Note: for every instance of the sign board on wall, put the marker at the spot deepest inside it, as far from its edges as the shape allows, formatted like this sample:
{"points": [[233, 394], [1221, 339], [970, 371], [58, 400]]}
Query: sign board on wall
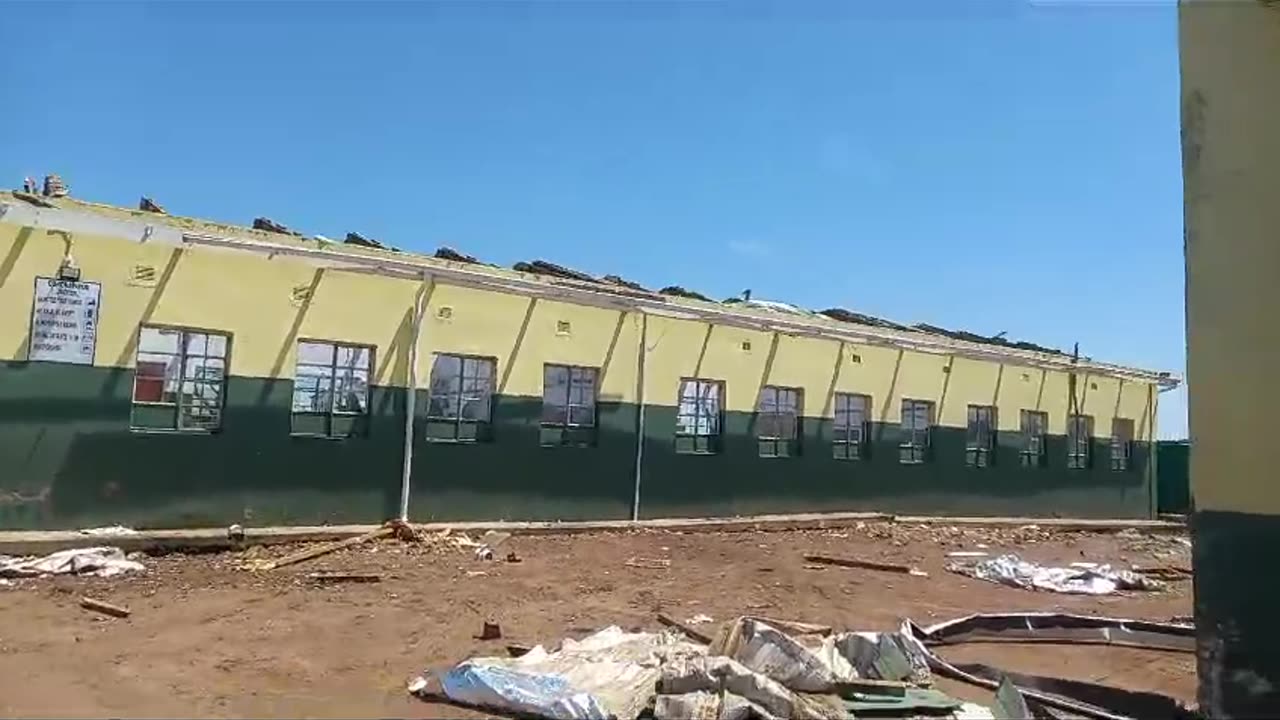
{"points": [[64, 321]]}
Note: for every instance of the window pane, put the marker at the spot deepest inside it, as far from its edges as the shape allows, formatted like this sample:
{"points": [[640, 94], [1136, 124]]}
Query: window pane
{"points": [[446, 375], [582, 389], [787, 425], [311, 353], [217, 346], [202, 368], [351, 392], [312, 390], [473, 409], [555, 381], [350, 356], [479, 368], [555, 414], [158, 340], [584, 416], [688, 390], [196, 343], [475, 387], [443, 406]]}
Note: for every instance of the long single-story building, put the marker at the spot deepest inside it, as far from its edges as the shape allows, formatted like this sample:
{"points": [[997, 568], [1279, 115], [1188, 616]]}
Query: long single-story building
{"points": [[158, 371]]}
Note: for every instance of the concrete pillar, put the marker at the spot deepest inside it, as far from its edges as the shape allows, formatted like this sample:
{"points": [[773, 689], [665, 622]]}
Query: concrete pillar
{"points": [[1230, 58]]}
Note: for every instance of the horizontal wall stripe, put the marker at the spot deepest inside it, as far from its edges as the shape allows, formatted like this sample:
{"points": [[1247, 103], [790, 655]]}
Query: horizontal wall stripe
{"points": [[72, 461]]}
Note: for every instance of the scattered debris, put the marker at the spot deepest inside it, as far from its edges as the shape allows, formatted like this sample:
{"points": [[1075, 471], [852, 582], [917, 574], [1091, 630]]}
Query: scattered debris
{"points": [[268, 225], [513, 558], [648, 563], [967, 554], [687, 631], [448, 253], [700, 619], [316, 552], [146, 204], [1059, 628], [355, 238], [55, 187], [678, 291], [235, 533], [1168, 573], [339, 577], [106, 608], [542, 267], [518, 650], [1013, 571], [97, 561], [110, 530], [865, 564], [490, 631]]}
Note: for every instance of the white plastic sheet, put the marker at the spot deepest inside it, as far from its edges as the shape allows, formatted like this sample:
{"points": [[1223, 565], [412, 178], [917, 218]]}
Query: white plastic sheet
{"points": [[98, 561], [1013, 571], [612, 673]]}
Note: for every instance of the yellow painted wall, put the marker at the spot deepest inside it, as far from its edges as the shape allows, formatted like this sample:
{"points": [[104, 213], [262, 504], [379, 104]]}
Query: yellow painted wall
{"points": [[1230, 58], [262, 304]]}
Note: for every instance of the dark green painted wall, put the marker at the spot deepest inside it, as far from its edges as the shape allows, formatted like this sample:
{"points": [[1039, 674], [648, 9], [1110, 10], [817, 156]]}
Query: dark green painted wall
{"points": [[1173, 476], [1237, 635], [739, 482], [68, 459]]}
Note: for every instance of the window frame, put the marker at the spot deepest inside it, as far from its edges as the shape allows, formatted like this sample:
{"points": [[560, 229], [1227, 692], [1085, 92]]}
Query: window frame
{"points": [[1122, 461], [696, 443], [477, 430], [1079, 450], [780, 446], [1032, 453], [979, 450], [331, 428], [915, 448], [182, 355], [569, 433], [843, 447]]}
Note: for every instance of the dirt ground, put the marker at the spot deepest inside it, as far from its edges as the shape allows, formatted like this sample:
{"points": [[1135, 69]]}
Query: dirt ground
{"points": [[210, 639]]}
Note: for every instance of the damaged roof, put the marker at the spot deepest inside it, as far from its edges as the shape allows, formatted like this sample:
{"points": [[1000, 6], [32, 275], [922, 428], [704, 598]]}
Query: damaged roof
{"points": [[265, 229]]}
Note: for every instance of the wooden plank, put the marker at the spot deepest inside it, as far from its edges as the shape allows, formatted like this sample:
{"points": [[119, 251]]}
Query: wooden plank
{"points": [[107, 608], [858, 563], [313, 553]]}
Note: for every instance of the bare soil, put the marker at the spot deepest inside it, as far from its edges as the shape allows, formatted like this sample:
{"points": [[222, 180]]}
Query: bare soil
{"points": [[207, 638]]}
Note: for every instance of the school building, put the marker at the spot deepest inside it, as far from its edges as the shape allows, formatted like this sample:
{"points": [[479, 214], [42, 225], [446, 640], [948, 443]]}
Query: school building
{"points": [[157, 371]]}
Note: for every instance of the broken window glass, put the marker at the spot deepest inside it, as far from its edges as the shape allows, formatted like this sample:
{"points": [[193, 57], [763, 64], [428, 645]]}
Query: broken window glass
{"points": [[852, 413], [460, 400], [698, 416]]}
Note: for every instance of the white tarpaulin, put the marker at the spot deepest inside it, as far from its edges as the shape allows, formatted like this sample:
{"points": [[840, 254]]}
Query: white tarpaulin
{"points": [[99, 561], [1015, 572], [609, 674]]}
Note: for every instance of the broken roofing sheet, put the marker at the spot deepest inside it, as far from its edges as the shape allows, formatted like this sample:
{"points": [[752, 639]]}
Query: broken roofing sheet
{"points": [[1013, 571]]}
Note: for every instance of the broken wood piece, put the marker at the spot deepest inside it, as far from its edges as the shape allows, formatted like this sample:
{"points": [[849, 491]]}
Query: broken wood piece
{"points": [[107, 608], [517, 650], [490, 631], [862, 564], [689, 632], [345, 577], [794, 627], [868, 686], [648, 563], [326, 549]]}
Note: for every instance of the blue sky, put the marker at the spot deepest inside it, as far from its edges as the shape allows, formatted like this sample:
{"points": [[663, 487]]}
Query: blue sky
{"points": [[982, 165]]}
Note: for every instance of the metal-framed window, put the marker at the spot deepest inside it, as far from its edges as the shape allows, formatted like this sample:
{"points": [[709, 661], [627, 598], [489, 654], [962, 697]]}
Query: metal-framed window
{"points": [[460, 400], [568, 405], [179, 379], [1121, 444], [778, 418], [917, 419], [1033, 425], [1079, 442], [331, 389], [699, 416], [851, 418], [980, 438]]}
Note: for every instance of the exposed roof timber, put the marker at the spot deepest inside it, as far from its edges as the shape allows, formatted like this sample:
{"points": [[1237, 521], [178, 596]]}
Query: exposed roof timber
{"points": [[594, 294], [590, 294]]}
